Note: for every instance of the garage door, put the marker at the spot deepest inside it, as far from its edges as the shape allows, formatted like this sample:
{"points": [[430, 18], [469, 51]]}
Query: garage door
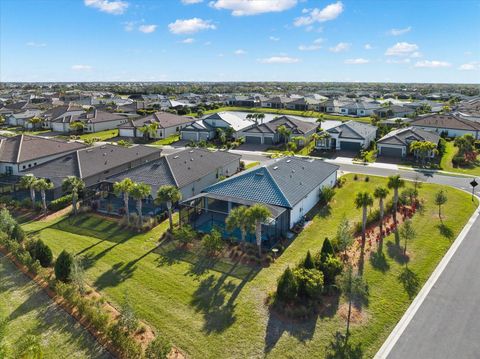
{"points": [[350, 146], [390, 151], [268, 140], [253, 139], [189, 136]]}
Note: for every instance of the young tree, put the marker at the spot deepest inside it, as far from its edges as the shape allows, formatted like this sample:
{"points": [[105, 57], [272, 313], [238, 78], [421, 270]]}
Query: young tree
{"points": [[327, 250], [326, 194], [139, 192], [440, 200], [63, 266], [43, 253], [287, 286], [407, 232], [149, 130], [344, 237], [168, 195], [213, 242], [28, 182], [159, 348], [381, 193], [395, 182], [43, 186], [363, 200], [77, 127], [238, 218], [124, 188], [73, 185], [308, 262], [258, 214]]}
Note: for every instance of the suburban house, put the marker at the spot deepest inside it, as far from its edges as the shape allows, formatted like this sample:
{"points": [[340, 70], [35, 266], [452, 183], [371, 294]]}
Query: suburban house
{"points": [[289, 187], [395, 121], [447, 124], [94, 164], [190, 170], [58, 118], [396, 143], [304, 104], [11, 108], [278, 102], [205, 129], [348, 136], [267, 133], [167, 124], [22, 152], [96, 121], [393, 111], [355, 108], [243, 101], [22, 118]]}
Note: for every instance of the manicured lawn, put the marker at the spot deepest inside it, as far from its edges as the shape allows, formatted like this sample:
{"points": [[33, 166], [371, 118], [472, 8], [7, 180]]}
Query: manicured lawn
{"points": [[213, 309], [102, 135], [447, 165], [326, 116], [30, 311], [251, 165], [167, 141]]}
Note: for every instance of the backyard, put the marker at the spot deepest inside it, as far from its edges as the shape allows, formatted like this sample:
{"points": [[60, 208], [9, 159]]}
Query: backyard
{"points": [[214, 309], [447, 165], [29, 310]]}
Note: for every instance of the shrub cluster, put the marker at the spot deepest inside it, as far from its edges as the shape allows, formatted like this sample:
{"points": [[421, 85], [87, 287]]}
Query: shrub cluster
{"points": [[60, 203]]}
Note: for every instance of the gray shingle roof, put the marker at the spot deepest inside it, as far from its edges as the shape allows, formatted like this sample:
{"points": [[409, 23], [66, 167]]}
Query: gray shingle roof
{"points": [[406, 135], [297, 126], [446, 121], [353, 129], [164, 120]]}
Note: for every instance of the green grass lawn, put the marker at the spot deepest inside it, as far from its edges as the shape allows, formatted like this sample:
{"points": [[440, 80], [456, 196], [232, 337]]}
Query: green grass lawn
{"points": [[447, 165], [30, 311], [102, 135], [167, 141], [325, 116], [251, 165], [215, 309]]}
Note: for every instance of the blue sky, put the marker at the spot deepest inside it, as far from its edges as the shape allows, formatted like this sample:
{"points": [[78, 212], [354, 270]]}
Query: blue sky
{"points": [[240, 40]]}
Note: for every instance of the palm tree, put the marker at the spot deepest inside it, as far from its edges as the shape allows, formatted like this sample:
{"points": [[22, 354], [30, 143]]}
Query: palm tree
{"points": [[363, 200], [124, 187], [43, 185], [222, 136], [261, 117], [168, 195], [258, 214], [74, 185], [395, 182], [238, 218], [381, 193], [284, 132], [149, 131], [28, 182], [77, 126], [139, 192], [320, 120], [34, 121]]}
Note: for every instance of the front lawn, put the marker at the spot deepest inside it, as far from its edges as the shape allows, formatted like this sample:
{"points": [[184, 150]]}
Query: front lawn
{"points": [[211, 309], [447, 165], [29, 310], [100, 136], [167, 141]]}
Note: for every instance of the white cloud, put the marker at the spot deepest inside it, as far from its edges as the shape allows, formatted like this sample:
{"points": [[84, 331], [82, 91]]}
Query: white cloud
{"points": [[190, 2], [129, 25], [252, 7], [147, 29], [111, 7], [81, 67], [471, 66], [358, 61], [189, 40], [316, 45], [329, 12], [397, 32], [341, 46], [190, 26], [401, 49], [36, 44], [416, 54], [432, 64], [368, 47], [240, 52], [279, 60], [273, 38], [398, 61]]}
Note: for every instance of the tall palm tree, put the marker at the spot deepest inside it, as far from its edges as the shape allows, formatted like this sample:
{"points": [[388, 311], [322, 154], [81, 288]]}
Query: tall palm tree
{"points": [[258, 214], [284, 132], [363, 200], [124, 187], [395, 182], [28, 182], [73, 185], [238, 218], [381, 193], [43, 185], [168, 195], [261, 117], [139, 192]]}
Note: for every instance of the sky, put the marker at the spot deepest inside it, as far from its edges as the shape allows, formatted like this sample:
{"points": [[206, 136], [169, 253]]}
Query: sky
{"points": [[434, 41]]}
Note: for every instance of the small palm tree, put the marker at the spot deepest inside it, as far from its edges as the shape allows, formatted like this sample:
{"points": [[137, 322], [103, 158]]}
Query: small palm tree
{"points": [[238, 218], [35, 121], [43, 185], [77, 126], [73, 185], [363, 200], [28, 182], [139, 192], [395, 182], [258, 214], [150, 131], [168, 195], [124, 188], [381, 193], [284, 132]]}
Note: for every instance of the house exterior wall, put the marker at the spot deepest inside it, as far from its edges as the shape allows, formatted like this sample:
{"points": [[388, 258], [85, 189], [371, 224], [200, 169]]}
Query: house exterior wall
{"points": [[23, 167], [126, 132], [102, 126], [450, 132], [60, 127]]}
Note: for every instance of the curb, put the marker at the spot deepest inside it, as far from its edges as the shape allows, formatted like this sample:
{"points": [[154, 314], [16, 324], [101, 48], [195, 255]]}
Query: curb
{"points": [[397, 332]]}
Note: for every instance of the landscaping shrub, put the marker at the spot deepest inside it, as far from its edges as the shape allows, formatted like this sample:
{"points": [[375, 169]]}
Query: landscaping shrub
{"points": [[287, 286], [159, 348], [60, 203], [18, 234], [43, 253], [63, 266], [341, 181], [310, 283], [331, 267], [326, 195], [213, 242], [308, 263], [7, 222], [26, 203], [124, 343], [327, 249], [184, 234]]}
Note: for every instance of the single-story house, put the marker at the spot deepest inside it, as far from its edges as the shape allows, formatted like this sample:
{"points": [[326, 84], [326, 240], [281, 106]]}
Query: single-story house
{"points": [[396, 143], [22, 118], [190, 170], [278, 102], [267, 133], [97, 121], [304, 104], [393, 111], [58, 118], [450, 125], [94, 164], [358, 108], [348, 136], [395, 121], [289, 187], [22, 152], [168, 124]]}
